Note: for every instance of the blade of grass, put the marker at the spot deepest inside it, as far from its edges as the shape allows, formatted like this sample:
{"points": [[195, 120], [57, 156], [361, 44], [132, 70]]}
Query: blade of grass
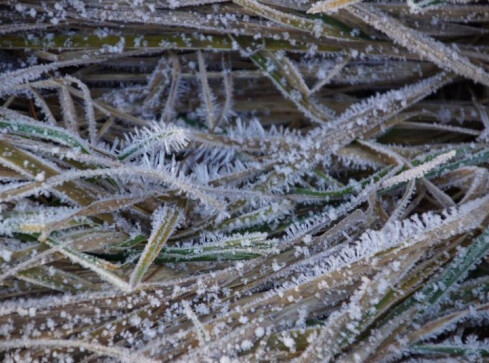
{"points": [[164, 222], [123, 354], [279, 73], [90, 262], [428, 48], [56, 279], [34, 167]]}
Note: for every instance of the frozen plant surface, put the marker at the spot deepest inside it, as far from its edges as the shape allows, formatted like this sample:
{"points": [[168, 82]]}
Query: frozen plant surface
{"points": [[244, 180]]}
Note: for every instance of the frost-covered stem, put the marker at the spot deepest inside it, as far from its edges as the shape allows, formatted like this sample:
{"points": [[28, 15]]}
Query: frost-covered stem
{"points": [[39, 101], [428, 48], [109, 110], [403, 203], [169, 109], [206, 93], [17, 28], [41, 258], [159, 136], [89, 111], [315, 27], [333, 72], [330, 6], [90, 262], [435, 126], [67, 153], [273, 67], [416, 172], [109, 205], [420, 170], [125, 355], [375, 111], [156, 83], [123, 171], [228, 92], [202, 333], [484, 136], [479, 179], [257, 216], [290, 72], [443, 199], [164, 222], [19, 76], [68, 107]]}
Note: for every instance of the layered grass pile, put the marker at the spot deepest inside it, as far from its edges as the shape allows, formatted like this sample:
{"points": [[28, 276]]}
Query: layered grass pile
{"points": [[250, 181]]}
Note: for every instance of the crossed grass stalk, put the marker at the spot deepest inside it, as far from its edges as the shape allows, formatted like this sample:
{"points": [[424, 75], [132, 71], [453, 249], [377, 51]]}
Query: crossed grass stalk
{"points": [[241, 179]]}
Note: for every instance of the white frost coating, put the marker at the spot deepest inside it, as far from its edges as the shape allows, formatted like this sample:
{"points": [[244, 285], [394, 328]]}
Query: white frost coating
{"points": [[202, 334], [312, 186], [5, 254], [373, 112], [125, 355], [208, 98], [169, 110], [89, 110], [130, 173], [34, 220], [259, 332], [90, 263], [14, 78], [426, 228], [17, 120], [163, 222], [155, 137], [403, 203], [420, 170], [428, 48], [331, 5], [407, 232]]}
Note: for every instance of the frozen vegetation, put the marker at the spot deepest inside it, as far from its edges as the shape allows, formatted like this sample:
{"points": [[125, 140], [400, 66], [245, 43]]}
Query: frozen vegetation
{"points": [[244, 180]]}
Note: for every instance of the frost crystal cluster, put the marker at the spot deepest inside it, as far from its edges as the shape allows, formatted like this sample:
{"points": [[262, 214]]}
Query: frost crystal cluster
{"points": [[244, 180]]}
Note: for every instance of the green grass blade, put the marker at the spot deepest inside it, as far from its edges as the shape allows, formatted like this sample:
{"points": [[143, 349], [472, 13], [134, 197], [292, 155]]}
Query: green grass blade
{"points": [[43, 132], [447, 349], [165, 220]]}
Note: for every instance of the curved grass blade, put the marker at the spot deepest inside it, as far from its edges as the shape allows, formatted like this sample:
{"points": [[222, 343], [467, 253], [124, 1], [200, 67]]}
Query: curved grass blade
{"points": [[17, 126]]}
